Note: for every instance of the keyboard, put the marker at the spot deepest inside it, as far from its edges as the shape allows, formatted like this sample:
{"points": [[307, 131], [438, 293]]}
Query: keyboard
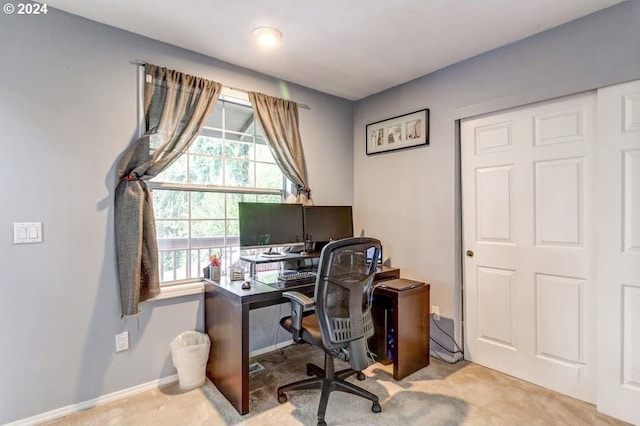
{"points": [[297, 278]]}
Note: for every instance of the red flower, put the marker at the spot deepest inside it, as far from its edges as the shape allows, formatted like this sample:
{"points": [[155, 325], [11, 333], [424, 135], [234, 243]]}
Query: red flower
{"points": [[216, 259]]}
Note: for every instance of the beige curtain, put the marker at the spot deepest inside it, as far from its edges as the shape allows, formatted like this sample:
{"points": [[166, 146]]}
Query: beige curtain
{"points": [[176, 107], [279, 121]]}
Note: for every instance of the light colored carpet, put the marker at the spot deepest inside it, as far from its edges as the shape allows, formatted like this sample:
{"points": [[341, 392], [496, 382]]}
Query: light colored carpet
{"points": [[441, 394]]}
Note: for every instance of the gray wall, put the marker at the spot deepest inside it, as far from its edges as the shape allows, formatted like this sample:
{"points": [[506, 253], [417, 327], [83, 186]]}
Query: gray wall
{"points": [[68, 108], [417, 190]]}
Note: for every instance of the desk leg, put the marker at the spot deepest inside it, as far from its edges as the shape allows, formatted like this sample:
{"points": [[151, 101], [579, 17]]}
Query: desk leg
{"points": [[227, 325]]}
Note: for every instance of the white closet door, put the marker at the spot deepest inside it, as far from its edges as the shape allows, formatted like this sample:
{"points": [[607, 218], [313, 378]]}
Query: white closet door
{"points": [[618, 251], [528, 229]]}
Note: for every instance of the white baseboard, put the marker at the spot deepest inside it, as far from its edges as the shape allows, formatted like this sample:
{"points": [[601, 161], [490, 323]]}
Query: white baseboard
{"points": [[271, 348], [447, 356], [74, 408]]}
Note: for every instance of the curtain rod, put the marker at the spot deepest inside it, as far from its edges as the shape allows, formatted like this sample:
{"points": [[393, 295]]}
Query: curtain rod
{"points": [[142, 63]]}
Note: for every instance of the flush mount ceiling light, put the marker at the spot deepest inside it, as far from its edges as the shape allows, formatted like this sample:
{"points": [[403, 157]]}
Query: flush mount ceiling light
{"points": [[267, 36]]}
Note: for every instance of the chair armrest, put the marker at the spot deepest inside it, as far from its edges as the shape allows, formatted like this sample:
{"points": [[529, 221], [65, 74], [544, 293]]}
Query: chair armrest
{"points": [[299, 304], [296, 297]]}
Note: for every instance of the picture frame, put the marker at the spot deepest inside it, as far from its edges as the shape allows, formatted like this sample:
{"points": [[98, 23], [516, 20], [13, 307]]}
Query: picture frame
{"points": [[404, 131]]}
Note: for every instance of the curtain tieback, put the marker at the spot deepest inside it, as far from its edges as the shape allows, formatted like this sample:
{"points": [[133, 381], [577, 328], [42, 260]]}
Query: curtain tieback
{"points": [[132, 178], [305, 190]]}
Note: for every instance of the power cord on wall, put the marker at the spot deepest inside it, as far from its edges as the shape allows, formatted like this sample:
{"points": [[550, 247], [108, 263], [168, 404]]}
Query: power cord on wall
{"points": [[282, 357]]}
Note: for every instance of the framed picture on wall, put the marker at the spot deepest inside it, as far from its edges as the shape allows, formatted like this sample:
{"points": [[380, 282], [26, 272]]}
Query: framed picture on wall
{"points": [[403, 131]]}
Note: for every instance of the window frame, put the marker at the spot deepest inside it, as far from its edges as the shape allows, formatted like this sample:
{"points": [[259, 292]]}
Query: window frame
{"points": [[231, 252]]}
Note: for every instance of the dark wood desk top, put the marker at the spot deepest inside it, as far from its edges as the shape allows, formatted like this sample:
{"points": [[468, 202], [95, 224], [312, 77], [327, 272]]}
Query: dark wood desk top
{"points": [[400, 284], [264, 294], [259, 294]]}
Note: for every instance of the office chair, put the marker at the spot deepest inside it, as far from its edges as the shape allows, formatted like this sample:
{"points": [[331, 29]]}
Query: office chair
{"points": [[341, 321]]}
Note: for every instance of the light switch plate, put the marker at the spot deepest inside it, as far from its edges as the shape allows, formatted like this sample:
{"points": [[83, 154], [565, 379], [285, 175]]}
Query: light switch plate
{"points": [[27, 232]]}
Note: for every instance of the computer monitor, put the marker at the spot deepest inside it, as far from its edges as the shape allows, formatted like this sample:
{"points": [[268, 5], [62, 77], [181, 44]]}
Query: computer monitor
{"points": [[326, 223], [270, 224]]}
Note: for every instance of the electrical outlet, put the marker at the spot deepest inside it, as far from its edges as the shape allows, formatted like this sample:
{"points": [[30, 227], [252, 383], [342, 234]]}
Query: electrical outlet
{"points": [[122, 341], [435, 311]]}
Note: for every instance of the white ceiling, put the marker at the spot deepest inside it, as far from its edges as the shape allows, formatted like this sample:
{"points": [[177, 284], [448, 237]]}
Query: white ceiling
{"points": [[347, 48]]}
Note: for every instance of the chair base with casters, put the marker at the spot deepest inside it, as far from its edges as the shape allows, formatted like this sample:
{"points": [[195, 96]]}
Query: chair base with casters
{"points": [[329, 380]]}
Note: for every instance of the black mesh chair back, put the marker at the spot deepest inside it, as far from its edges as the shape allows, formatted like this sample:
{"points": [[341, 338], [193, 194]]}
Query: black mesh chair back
{"points": [[342, 298]]}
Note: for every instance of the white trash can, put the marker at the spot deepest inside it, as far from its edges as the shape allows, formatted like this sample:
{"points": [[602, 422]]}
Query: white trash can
{"points": [[190, 352]]}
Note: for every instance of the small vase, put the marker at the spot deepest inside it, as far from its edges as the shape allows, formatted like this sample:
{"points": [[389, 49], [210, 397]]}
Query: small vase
{"points": [[214, 273]]}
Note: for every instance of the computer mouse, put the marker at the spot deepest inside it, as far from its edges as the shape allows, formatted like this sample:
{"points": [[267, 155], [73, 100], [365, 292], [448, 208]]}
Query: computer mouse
{"points": [[246, 285]]}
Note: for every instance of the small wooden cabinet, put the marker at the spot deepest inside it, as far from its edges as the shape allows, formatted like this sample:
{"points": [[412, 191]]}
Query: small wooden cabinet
{"points": [[400, 311]]}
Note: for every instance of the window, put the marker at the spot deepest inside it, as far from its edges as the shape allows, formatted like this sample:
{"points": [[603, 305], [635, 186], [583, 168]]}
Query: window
{"points": [[196, 198]]}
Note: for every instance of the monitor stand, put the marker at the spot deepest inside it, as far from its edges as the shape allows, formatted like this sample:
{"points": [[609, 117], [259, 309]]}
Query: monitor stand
{"points": [[271, 254]]}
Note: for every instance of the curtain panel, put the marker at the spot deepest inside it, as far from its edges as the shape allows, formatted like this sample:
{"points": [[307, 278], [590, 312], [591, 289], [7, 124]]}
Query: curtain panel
{"points": [[176, 106], [279, 121]]}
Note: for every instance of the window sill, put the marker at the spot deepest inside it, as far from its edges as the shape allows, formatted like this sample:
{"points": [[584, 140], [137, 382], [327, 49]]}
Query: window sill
{"points": [[179, 290]]}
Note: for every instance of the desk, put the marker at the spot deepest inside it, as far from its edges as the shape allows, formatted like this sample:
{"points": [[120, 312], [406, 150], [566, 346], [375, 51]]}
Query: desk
{"points": [[226, 314]]}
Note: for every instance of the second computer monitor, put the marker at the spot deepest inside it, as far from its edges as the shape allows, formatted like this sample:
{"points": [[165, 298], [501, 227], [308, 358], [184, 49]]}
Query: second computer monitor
{"points": [[326, 223]]}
